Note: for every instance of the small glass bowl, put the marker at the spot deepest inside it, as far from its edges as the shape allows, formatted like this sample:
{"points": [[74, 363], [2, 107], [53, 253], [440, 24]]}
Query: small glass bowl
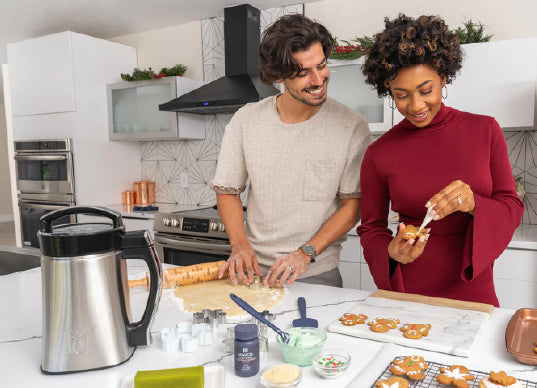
{"points": [[274, 376], [331, 363], [301, 355]]}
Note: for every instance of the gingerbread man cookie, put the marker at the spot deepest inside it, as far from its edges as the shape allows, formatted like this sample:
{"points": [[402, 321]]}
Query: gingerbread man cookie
{"points": [[499, 379], [349, 319], [416, 330], [411, 366], [411, 232], [455, 375], [392, 382], [382, 325]]}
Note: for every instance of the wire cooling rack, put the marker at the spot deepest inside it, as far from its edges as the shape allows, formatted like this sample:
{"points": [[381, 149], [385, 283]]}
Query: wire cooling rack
{"points": [[434, 369]]}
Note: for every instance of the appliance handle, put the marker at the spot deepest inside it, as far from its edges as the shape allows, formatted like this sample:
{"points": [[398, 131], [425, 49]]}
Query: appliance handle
{"points": [[41, 157], [187, 244], [139, 333], [46, 220]]}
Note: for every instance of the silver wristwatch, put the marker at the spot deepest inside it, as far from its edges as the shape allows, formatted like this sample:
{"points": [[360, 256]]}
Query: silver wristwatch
{"points": [[309, 250]]}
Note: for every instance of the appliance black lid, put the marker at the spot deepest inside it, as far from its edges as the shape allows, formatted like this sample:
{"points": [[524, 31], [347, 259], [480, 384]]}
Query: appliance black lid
{"points": [[71, 240]]}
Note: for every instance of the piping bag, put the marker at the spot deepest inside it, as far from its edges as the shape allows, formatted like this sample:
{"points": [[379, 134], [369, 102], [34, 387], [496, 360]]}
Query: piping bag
{"points": [[428, 218]]}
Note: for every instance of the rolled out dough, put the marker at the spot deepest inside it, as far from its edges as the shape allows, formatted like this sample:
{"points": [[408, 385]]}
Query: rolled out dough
{"points": [[214, 295]]}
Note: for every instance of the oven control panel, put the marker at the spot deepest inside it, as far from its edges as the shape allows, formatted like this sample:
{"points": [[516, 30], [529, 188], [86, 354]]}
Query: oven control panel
{"points": [[191, 225]]}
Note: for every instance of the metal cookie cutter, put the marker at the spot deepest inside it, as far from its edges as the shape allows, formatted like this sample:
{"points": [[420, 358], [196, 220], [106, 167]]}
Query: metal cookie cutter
{"points": [[256, 284]]}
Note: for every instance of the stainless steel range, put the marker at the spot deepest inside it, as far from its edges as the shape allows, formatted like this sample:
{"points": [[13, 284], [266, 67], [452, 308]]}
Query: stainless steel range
{"points": [[191, 237]]}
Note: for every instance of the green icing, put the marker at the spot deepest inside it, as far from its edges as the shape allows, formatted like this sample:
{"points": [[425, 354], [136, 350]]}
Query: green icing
{"points": [[191, 377]]}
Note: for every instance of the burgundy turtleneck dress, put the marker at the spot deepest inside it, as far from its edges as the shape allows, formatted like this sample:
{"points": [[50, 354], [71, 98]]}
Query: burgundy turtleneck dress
{"points": [[407, 166]]}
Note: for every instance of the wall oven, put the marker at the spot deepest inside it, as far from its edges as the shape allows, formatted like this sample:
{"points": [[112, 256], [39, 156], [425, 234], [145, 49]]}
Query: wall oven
{"points": [[45, 182], [191, 237]]}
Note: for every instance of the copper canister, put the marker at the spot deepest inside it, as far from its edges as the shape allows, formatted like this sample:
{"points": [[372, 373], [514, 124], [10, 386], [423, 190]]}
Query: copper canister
{"points": [[140, 188], [151, 191], [127, 197]]}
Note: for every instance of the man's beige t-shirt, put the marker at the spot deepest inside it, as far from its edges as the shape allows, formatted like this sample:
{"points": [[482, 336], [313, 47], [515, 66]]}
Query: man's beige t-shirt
{"points": [[298, 173]]}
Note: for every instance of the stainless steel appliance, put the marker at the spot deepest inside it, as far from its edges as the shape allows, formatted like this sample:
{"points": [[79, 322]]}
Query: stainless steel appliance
{"points": [[45, 182], [191, 237], [86, 310]]}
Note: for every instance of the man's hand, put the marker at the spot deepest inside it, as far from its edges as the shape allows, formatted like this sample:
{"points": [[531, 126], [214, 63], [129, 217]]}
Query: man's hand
{"points": [[242, 259], [290, 266]]}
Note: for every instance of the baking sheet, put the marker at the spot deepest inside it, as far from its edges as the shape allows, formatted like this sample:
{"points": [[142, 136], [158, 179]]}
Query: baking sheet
{"points": [[453, 331]]}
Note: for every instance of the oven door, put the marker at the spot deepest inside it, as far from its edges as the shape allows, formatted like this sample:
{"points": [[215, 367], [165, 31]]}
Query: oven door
{"points": [[45, 173], [31, 211], [188, 250]]}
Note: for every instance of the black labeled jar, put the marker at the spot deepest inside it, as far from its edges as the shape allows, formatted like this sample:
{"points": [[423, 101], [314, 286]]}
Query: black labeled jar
{"points": [[246, 350]]}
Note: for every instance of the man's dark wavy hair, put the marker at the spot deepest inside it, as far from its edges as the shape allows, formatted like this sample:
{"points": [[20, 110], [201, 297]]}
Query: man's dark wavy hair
{"points": [[406, 42], [286, 36]]}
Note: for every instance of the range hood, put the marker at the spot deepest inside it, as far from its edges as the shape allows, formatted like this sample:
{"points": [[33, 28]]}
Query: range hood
{"points": [[241, 84]]}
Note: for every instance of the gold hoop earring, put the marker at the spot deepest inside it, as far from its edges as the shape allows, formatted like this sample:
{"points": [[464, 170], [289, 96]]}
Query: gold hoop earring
{"points": [[444, 97], [391, 103]]}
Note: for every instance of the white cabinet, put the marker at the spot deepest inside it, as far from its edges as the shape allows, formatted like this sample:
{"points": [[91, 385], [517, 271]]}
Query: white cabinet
{"points": [[515, 278], [497, 79], [354, 270], [347, 85], [41, 70], [134, 115], [58, 90]]}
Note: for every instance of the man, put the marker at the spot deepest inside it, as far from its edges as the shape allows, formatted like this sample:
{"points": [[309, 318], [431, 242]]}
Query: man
{"points": [[302, 152]]}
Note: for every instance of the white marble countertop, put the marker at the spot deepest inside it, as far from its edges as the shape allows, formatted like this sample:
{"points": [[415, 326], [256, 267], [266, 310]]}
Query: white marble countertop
{"points": [[20, 340]]}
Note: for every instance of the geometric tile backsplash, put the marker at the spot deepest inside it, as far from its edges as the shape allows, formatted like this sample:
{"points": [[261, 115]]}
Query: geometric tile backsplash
{"points": [[165, 161]]}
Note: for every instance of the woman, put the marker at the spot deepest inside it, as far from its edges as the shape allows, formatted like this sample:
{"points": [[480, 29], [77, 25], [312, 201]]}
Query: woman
{"points": [[453, 161]]}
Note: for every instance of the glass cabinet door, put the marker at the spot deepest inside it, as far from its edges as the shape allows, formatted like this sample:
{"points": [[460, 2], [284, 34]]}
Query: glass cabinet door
{"points": [[133, 110], [347, 85]]}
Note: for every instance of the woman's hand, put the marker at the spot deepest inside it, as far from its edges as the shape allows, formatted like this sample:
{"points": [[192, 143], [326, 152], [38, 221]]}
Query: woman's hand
{"points": [[289, 266], [457, 196], [406, 251], [242, 259]]}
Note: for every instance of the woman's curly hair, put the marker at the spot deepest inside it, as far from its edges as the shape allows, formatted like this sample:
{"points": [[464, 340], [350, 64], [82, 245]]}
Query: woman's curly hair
{"points": [[405, 42], [286, 36]]}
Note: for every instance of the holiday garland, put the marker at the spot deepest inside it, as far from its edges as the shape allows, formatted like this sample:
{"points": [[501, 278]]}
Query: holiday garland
{"points": [[143, 75], [350, 50]]}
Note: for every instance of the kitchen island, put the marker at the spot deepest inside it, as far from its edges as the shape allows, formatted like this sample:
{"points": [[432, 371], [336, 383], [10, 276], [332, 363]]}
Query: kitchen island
{"points": [[20, 340]]}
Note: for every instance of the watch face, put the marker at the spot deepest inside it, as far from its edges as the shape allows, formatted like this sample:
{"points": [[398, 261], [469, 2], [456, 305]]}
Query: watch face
{"points": [[309, 250]]}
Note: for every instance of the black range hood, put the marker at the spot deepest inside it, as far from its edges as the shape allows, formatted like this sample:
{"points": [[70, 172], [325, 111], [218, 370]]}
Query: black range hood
{"points": [[241, 84]]}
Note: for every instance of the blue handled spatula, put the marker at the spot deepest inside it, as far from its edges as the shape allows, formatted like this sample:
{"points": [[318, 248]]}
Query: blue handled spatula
{"points": [[303, 321]]}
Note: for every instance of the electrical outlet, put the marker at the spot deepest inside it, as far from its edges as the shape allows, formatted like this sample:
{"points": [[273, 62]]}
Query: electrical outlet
{"points": [[183, 180]]}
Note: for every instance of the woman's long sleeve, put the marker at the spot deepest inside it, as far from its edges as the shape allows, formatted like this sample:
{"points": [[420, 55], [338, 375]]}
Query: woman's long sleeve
{"points": [[495, 217], [373, 231]]}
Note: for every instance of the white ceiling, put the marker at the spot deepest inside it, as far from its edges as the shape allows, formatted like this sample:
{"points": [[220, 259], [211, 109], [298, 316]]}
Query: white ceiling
{"points": [[25, 19]]}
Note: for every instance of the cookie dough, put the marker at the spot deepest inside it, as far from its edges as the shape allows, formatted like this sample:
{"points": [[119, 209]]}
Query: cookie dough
{"points": [[215, 295]]}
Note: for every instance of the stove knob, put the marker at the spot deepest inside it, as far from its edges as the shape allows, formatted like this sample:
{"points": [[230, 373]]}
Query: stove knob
{"points": [[222, 228], [175, 222], [166, 221], [214, 226]]}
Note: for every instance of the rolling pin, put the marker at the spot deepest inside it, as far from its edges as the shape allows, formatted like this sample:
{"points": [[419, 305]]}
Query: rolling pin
{"points": [[182, 276]]}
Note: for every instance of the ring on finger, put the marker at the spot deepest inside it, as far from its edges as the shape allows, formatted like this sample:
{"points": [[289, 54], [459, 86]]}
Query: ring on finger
{"points": [[459, 201], [290, 268]]}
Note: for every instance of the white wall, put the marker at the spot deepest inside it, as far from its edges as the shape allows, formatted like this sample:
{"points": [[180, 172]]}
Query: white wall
{"points": [[347, 19], [167, 47]]}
